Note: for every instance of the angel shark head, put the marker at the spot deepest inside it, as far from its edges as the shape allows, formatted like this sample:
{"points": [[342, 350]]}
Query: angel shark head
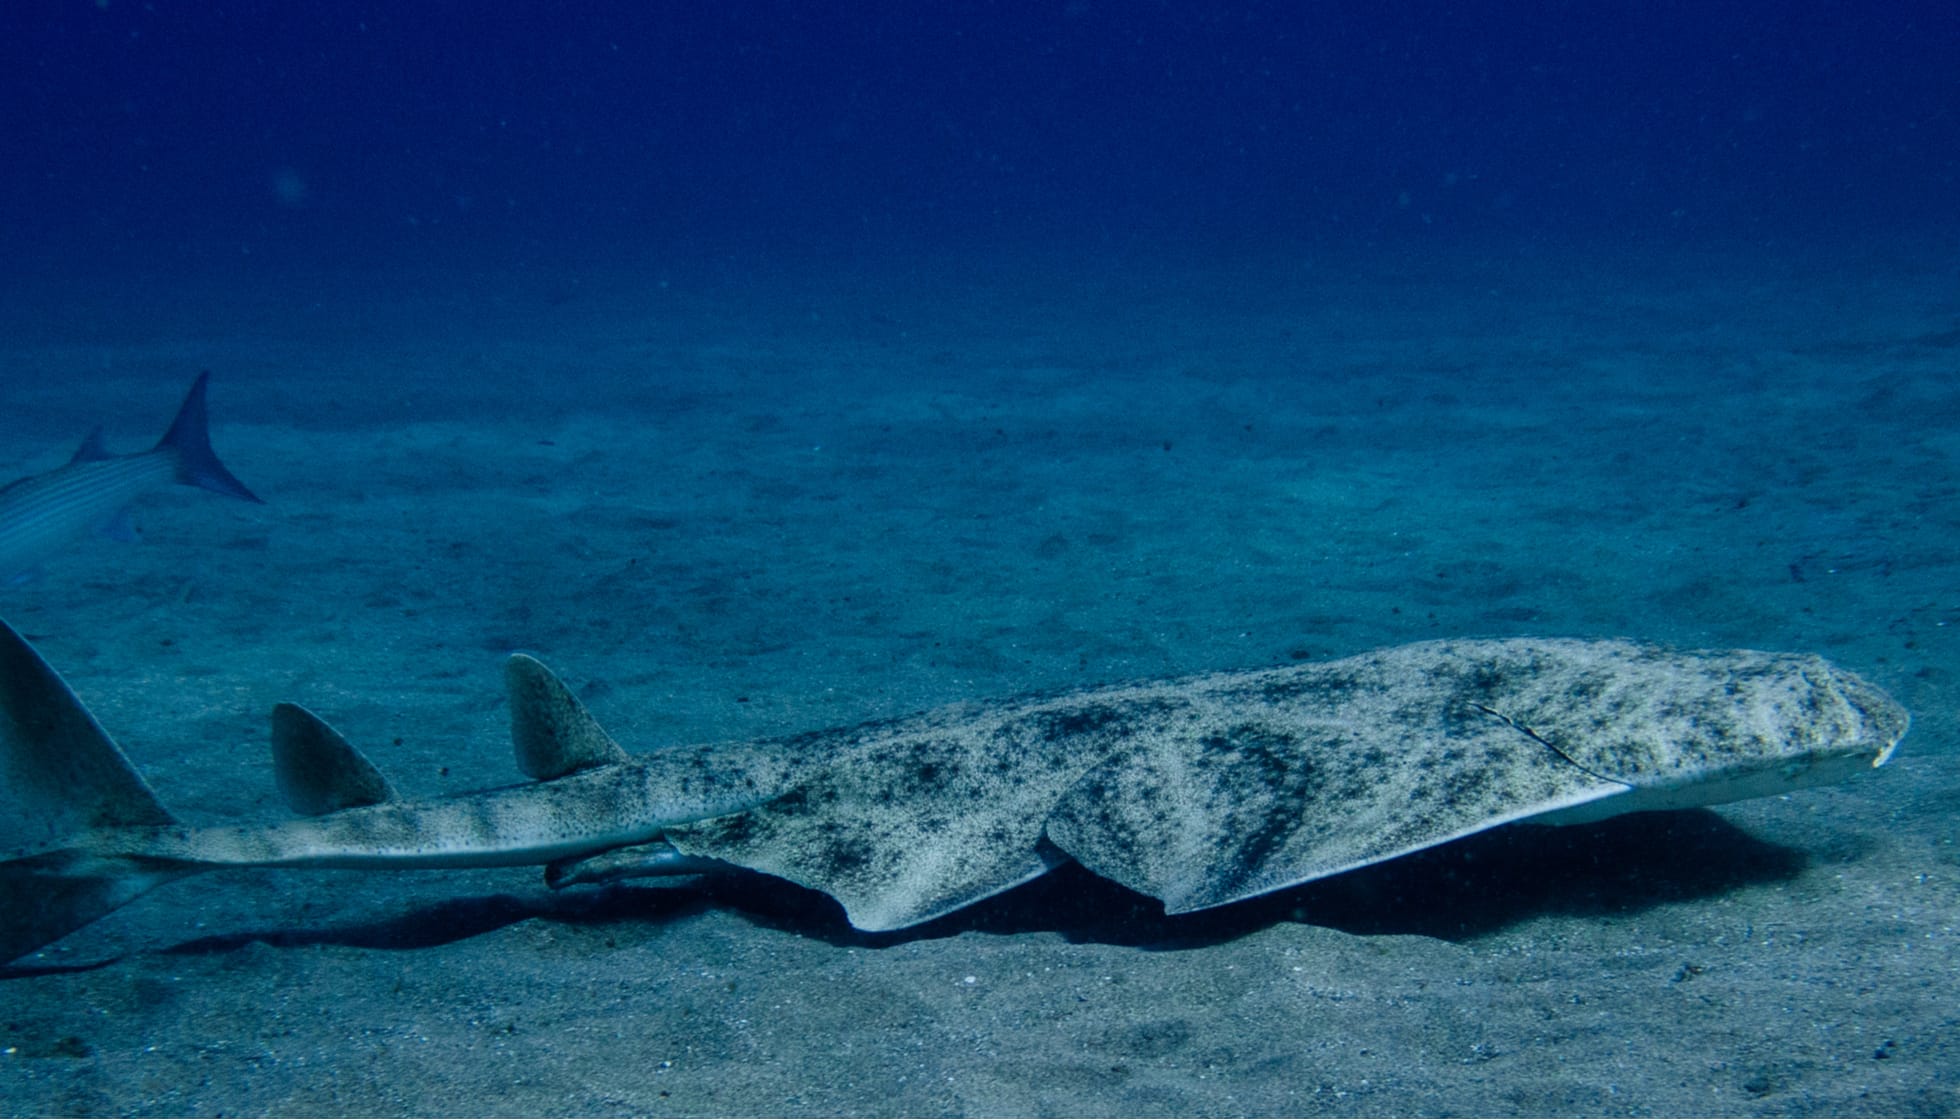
{"points": [[1768, 724], [1306, 772]]}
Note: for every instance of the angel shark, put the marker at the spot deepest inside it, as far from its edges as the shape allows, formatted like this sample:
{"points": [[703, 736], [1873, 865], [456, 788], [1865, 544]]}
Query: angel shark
{"points": [[41, 513], [1199, 791]]}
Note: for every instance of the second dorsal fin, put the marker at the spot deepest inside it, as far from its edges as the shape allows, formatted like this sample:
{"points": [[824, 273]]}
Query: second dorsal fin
{"points": [[319, 771], [92, 449], [552, 732]]}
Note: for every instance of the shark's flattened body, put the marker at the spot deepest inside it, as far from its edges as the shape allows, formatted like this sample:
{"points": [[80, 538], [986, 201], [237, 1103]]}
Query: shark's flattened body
{"points": [[1206, 790], [1199, 791]]}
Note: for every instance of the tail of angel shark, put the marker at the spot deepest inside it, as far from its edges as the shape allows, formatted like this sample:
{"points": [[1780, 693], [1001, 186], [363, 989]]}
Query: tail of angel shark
{"points": [[81, 833], [61, 777]]}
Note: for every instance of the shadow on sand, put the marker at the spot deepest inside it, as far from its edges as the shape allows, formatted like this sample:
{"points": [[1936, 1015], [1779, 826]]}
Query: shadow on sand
{"points": [[1462, 890]]}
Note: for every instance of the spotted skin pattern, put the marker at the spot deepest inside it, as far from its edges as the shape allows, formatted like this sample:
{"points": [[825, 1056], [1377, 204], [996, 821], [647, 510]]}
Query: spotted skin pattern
{"points": [[1209, 789]]}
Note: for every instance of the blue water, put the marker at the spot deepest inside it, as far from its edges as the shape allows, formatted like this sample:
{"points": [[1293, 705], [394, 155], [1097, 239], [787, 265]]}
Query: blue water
{"points": [[240, 137]]}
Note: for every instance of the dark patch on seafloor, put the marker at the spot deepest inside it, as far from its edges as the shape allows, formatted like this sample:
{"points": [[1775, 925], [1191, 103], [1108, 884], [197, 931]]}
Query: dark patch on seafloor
{"points": [[1466, 889]]}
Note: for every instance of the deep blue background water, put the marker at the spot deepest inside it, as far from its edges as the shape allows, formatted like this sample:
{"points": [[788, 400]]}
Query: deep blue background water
{"points": [[184, 134]]}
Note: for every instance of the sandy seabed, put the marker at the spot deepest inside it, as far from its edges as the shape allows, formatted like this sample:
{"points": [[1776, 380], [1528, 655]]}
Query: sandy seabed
{"points": [[728, 509]]}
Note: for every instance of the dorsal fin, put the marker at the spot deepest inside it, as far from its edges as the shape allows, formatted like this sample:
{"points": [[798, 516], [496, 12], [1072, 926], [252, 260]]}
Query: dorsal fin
{"points": [[551, 731], [91, 450], [319, 771], [59, 772]]}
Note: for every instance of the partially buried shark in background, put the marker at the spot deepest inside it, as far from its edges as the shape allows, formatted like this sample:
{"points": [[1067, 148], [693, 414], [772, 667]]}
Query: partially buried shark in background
{"points": [[1198, 791]]}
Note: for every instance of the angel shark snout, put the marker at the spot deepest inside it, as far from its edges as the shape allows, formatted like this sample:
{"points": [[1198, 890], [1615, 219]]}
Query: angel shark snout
{"points": [[1877, 722]]}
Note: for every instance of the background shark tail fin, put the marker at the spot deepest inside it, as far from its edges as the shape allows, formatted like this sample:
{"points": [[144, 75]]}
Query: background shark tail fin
{"points": [[61, 778], [189, 439]]}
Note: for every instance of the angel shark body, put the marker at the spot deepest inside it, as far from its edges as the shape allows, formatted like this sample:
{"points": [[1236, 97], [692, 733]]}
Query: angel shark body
{"points": [[1199, 791]]}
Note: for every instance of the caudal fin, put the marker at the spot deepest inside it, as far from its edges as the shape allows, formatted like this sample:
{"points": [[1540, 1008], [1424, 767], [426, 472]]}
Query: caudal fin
{"points": [[61, 779], [189, 439], [47, 896]]}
